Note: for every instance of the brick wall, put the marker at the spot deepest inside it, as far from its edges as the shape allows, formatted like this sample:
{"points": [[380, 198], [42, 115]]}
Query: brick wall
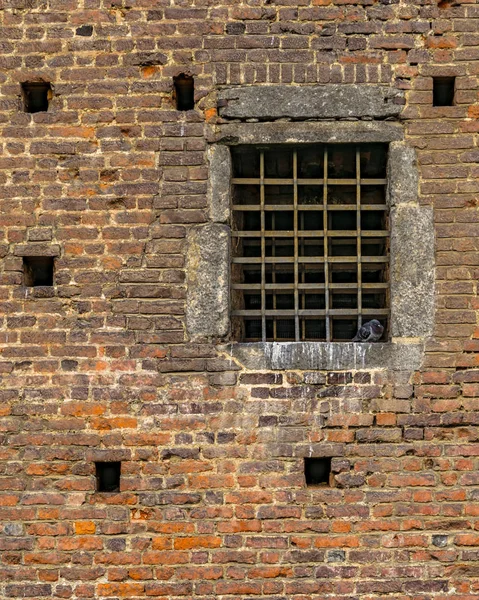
{"points": [[213, 502]]}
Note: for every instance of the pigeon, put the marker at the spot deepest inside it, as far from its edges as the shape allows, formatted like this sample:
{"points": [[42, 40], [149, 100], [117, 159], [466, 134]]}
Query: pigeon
{"points": [[369, 332]]}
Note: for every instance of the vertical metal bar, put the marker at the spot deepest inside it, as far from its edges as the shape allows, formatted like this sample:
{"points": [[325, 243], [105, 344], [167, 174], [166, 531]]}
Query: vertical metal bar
{"points": [[273, 274], [263, 249], [358, 233], [326, 244], [303, 266], [296, 252]]}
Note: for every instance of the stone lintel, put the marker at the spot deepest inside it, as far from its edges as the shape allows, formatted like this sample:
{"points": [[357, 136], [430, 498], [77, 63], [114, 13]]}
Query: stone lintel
{"points": [[37, 249], [330, 101]]}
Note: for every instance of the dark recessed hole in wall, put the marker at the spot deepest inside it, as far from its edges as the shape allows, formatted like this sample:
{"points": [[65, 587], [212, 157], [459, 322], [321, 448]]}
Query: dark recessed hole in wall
{"points": [[108, 476], [317, 470], [184, 92], [38, 270], [84, 30], [36, 96], [443, 91]]}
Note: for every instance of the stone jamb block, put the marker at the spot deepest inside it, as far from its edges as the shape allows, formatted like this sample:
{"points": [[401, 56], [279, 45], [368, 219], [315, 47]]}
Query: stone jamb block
{"points": [[219, 183], [208, 294]]}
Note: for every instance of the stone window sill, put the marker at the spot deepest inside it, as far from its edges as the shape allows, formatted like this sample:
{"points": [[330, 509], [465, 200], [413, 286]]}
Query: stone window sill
{"points": [[327, 356]]}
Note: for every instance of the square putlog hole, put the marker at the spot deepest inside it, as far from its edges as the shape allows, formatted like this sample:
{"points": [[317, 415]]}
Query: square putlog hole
{"points": [[317, 470], [38, 271], [443, 89], [108, 476], [36, 96], [184, 92]]}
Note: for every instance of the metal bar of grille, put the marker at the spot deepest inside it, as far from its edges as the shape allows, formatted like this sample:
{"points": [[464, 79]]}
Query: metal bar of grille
{"points": [[263, 250], [302, 285], [306, 207], [273, 267], [310, 286], [296, 247], [338, 312], [358, 232], [326, 244], [309, 259], [286, 181], [313, 234], [363, 207]]}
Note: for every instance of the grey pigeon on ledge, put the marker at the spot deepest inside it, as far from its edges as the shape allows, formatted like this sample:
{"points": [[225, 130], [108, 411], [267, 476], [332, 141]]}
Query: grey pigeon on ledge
{"points": [[369, 332]]}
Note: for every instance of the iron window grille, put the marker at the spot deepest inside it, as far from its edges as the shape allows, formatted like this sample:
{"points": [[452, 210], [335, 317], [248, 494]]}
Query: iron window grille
{"points": [[310, 232]]}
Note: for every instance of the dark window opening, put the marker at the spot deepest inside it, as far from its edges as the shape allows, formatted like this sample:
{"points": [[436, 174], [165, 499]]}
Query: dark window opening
{"points": [[310, 230], [108, 476], [36, 96], [184, 92], [443, 91], [38, 270], [317, 470]]}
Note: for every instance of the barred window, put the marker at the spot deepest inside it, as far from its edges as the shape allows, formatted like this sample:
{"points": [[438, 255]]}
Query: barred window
{"points": [[310, 234]]}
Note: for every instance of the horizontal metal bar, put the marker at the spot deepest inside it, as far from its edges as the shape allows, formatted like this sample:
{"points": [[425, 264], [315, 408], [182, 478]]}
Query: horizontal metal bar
{"points": [[306, 207], [268, 181], [352, 233], [276, 207], [368, 181], [278, 286], [257, 260], [252, 260], [279, 233], [304, 181], [334, 312], [275, 313], [354, 207], [310, 286], [354, 259]]}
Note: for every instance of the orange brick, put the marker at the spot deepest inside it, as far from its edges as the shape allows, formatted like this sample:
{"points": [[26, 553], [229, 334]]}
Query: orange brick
{"points": [[84, 527], [186, 543]]}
